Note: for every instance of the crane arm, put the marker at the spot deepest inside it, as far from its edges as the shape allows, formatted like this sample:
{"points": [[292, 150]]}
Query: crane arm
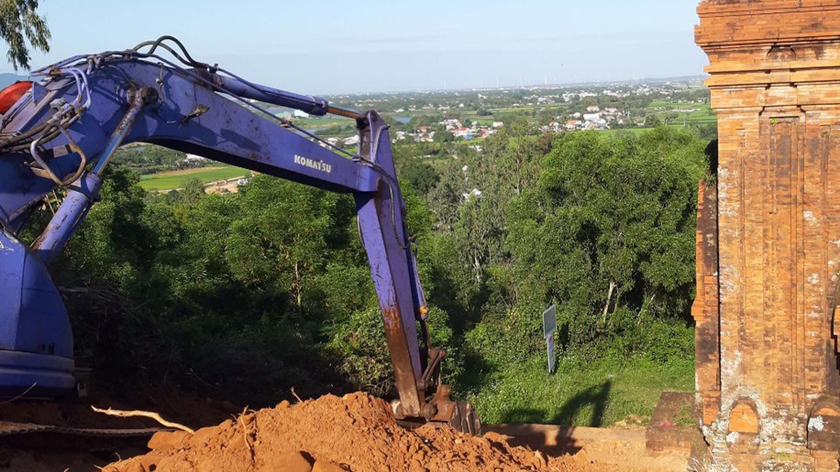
{"points": [[64, 131]]}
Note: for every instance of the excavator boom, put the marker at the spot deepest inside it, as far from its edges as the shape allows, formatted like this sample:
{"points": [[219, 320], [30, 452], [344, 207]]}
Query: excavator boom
{"points": [[63, 132]]}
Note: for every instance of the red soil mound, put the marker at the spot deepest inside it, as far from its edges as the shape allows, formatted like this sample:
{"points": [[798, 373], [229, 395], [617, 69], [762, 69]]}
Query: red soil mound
{"points": [[356, 433]]}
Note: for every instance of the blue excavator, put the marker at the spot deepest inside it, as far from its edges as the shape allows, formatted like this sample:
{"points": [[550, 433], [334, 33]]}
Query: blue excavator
{"points": [[62, 131]]}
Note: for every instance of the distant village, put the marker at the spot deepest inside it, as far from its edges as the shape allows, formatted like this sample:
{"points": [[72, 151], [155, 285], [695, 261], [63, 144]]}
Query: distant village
{"points": [[478, 113], [594, 118], [426, 134]]}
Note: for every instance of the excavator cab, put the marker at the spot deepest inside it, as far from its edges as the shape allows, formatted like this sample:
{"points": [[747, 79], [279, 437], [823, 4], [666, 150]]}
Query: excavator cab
{"points": [[36, 342]]}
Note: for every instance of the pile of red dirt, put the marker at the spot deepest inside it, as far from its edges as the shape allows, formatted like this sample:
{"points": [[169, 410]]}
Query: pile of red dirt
{"points": [[355, 433]]}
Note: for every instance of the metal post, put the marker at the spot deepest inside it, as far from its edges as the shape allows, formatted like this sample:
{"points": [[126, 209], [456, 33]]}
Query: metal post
{"points": [[85, 191], [139, 99]]}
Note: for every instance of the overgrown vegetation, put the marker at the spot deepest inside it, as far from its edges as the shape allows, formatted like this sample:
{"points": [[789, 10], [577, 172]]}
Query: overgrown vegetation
{"points": [[247, 295]]}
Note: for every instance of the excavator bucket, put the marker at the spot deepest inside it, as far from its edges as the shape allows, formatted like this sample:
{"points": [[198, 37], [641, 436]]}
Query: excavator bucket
{"points": [[36, 343]]}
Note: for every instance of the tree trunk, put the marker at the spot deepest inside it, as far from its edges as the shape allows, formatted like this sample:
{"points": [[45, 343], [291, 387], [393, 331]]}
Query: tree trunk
{"points": [[298, 295], [645, 305], [609, 298]]}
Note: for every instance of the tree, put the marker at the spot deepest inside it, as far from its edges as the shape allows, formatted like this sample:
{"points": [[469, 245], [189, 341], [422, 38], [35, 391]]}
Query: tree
{"points": [[448, 194], [508, 165], [421, 175], [609, 231], [652, 121], [19, 24], [192, 192], [285, 237], [444, 136]]}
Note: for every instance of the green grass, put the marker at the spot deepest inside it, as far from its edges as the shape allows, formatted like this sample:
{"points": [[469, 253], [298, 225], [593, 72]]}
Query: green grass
{"points": [[523, 108], [322, 123], [701, 119], [580, 393], [694, 118], [171, 180], [684, 418], [703, 113], [662, 104]]}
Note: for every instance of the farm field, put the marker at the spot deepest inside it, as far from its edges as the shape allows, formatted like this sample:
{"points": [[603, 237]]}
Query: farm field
{"points": [[177, 179], [321, 123], [679, 114]]}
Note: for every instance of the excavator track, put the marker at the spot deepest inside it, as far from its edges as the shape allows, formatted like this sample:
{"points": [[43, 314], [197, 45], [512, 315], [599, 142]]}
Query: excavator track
{"points": [[8, 429], [59, 446]]}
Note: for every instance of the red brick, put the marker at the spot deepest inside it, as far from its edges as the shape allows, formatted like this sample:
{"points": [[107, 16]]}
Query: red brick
{"points": [[767, 280]]}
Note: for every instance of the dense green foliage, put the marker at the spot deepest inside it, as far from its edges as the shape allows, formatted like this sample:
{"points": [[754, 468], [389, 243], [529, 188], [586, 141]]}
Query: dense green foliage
{"points": [[226, 290], [619, 218], [252, 293]]}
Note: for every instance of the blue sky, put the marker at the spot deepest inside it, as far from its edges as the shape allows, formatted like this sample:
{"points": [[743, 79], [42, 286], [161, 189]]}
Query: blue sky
{"points": [[333, 46]]}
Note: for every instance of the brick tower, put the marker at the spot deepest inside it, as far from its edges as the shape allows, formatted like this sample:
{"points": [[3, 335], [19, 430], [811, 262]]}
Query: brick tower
{"points": [[768, 237]]}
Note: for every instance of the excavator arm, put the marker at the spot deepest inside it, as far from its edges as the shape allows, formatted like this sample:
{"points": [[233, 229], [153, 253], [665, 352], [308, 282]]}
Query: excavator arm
{"points": [[62, 132]]}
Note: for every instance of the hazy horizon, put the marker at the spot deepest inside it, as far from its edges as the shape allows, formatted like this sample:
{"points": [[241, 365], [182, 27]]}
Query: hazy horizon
{"points": [[332, 47]]}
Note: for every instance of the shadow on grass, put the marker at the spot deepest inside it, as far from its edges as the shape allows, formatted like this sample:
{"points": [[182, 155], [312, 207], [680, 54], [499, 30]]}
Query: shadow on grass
{"points": [[595, 396], [476, 374], [556, 441]]}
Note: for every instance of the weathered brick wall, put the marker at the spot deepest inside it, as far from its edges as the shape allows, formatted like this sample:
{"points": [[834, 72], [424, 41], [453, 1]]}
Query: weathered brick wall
{"points": [[706, 310], [767, 375]]}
